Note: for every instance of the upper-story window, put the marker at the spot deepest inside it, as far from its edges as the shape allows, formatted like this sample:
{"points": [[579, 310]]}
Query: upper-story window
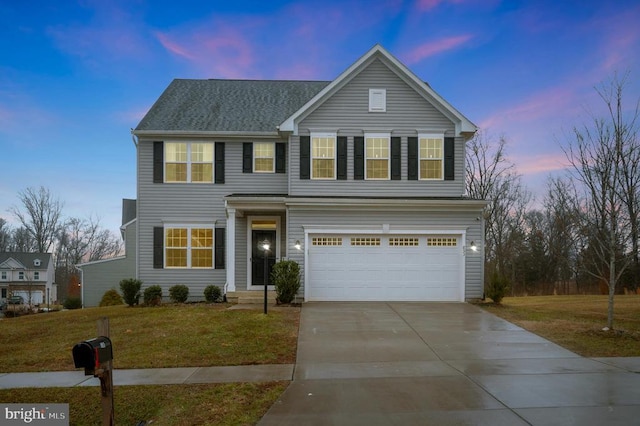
{"points": [[377, 156], [36, 275], [377, 100], [4, 276], [431, 157], [188, 162], [323, 156], [264, 157], [189, 246], [21, 276]]}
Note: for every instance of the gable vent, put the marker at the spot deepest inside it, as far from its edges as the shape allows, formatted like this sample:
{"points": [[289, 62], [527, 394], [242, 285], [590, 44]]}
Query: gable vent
{"points": [[36, 262], [377, 100]]}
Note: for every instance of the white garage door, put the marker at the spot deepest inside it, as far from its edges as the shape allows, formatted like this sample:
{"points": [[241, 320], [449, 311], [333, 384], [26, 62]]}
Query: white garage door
{"points": [[384, 268]]}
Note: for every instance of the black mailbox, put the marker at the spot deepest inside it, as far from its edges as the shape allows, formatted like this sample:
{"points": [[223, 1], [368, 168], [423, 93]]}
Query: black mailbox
{"points": [[91, 353]]}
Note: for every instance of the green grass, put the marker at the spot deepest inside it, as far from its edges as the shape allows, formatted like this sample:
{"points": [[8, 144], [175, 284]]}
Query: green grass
{"points": [[219, 404], [167, 336], [576, 322]]}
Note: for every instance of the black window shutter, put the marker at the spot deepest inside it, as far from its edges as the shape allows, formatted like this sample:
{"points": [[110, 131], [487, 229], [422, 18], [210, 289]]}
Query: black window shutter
{"points": [[412, 156], [305, 157], [396, 163], [449, 159], [219, 166], [247, 157], [281, 157], [358, 157], [220, 244], [158, 162], [342, 158], [158, 247]]}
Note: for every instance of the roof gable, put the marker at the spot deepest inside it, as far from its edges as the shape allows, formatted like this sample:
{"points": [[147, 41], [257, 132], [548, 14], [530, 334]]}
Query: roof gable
{"points": [[11, 263], [463, 125]]}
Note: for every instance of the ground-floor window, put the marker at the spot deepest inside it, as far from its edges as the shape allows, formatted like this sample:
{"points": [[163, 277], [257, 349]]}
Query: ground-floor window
{"points": [[189, 247]]}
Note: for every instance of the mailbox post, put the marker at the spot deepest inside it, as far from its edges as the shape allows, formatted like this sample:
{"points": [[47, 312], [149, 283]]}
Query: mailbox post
{"points": [[96, 357]]}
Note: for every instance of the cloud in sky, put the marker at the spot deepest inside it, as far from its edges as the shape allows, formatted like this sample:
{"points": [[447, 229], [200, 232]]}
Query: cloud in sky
{"points": [[431, 48]]}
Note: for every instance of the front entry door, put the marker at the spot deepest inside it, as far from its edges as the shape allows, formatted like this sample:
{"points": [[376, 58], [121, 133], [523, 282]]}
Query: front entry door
{"points": [[258, 255]]}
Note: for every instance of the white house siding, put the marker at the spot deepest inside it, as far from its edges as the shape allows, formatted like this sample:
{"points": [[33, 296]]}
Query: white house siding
{"points": [[194, 203], [377, 219], [103, 275], [346, 113]]}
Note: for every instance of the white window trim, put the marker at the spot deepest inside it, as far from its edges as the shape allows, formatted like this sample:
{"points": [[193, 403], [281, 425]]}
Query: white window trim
{"points": [[335, 153], [4, 276], [36, 276], [377, 100], [431, 136], [189, 162], [273, 157], [377, 135], [189, 227]]}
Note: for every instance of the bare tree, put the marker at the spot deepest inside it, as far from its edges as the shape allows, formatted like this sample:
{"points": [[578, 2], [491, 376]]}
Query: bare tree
{"points": [[561, 206], [490, 176], [5, 235], [40, 216], [599, 155], [22, 241]]}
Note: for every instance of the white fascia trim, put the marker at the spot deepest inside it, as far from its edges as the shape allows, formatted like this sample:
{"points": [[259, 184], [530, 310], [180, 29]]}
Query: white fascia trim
{"points": [[95, 262], [432, 230]]}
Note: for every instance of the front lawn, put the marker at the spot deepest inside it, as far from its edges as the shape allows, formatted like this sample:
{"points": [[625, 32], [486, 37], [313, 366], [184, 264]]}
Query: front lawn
{"points": [[576, 322], [192, 335]]}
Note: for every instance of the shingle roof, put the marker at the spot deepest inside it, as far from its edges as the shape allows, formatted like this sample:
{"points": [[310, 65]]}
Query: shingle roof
{"points": [[27, 259], [228, 105]]}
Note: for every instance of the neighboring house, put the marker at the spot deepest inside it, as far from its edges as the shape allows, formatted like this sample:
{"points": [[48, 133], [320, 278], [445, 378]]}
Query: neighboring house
{"points": [[29, 275], [361, 180], [101, 275]]}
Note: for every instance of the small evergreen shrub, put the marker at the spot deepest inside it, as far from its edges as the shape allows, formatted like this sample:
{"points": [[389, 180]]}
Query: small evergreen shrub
{"points": [[131, 291], [286, 278], [152, 295], [212, 294], [179, 293], [111, 298], [498, 287], [72, 303]]}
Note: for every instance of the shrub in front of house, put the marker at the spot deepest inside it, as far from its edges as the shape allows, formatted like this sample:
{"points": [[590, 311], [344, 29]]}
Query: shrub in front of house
{"points": [[152, 295], [286, 278], [130, 288], [72, 303], [111, 298], [212, 294], [179, 293], [498, 287]]}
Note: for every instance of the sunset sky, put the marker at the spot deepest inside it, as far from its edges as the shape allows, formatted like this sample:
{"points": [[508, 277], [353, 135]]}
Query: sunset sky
{"points": [[76, 76]]}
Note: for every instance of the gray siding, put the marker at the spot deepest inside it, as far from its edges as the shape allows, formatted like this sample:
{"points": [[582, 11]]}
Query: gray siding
{"points": [[347, 113], [101, 276], [374, 219], [192, 203]]}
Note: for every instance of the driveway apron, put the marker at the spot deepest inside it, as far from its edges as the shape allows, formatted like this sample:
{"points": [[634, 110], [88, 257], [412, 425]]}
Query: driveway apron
{"points": [[440, 364]]}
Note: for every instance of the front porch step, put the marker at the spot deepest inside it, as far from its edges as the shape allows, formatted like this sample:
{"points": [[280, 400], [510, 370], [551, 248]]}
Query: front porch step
{"points": [[250, 297]]}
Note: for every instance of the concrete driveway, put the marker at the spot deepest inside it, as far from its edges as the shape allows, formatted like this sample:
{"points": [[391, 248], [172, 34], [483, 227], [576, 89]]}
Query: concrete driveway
{"points": [[445, 364]]}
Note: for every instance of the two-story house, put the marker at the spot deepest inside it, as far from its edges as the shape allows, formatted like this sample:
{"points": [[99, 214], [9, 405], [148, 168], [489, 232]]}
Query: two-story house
{"points": [[29, 275], [361, 180]]}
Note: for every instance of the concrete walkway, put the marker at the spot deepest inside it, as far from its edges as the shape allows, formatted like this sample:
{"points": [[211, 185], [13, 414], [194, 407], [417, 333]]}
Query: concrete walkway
{"points": [[445, 363]]}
